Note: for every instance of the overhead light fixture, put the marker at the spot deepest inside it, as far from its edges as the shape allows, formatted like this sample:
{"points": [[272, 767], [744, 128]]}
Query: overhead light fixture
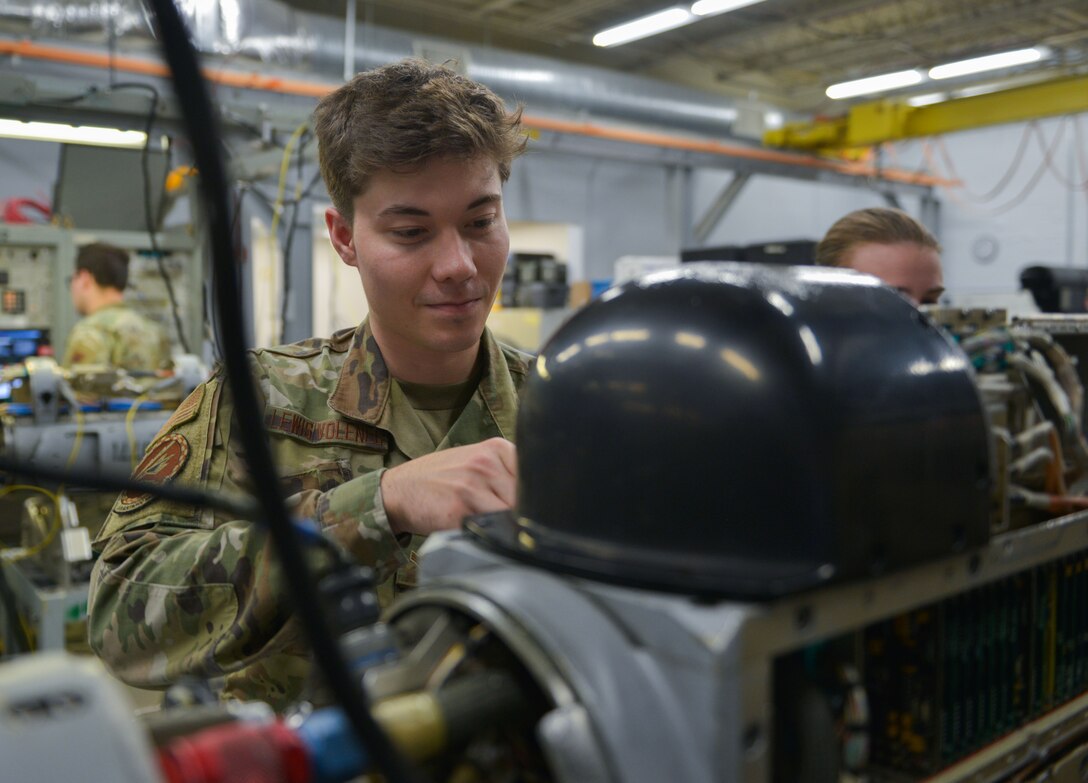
{"points": [[643, 27], [711, 7], [988, 63], [927, 99], [871, 84], [69, 134], [980, 89]]}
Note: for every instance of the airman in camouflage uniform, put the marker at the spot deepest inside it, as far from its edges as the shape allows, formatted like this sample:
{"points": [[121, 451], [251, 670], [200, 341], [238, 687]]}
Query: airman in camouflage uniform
{"points": [[111, 332], [182, 590], [118, 336], [382, 434]]}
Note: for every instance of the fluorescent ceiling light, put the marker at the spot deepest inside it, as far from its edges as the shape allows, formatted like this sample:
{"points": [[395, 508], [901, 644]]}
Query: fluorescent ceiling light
{"points": [[83, 134], [711, 7], [927, 99], [887, 81], [988, 63], [669, 19], [980, 89]]}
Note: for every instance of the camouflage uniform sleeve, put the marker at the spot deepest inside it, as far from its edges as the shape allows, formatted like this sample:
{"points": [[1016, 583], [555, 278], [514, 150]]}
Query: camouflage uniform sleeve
{"points": [[183, 591], [86, 345], [354, 516], [177, 589]]}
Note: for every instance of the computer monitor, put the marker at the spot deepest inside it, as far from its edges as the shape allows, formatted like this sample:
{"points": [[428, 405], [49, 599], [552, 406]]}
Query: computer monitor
{"points": [[103, 187], [16, 345]]}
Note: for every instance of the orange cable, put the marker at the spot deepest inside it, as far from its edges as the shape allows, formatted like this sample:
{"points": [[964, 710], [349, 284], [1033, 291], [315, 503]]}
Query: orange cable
{"points": [[253, 81]]}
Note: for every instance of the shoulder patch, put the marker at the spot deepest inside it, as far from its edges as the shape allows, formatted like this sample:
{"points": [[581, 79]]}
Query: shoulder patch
{"points": [[340, 431], [187, 411], [303, 349], [163, 461], [518, 361]]}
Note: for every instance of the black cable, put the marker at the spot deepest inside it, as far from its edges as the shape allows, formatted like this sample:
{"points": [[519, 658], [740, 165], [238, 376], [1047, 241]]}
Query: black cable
{"points": [[1005, 179], [149, 220], [293, 225], [1050, 148], [210, 303], [111, 44], [11, 609], [203, 128], [238, 506], [289, 241], [69, 99], [309, 189]]}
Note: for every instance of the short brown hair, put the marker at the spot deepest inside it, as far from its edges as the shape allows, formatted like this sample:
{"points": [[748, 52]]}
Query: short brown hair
{"points": [[399, 116], [107, 264], [880, 225]]}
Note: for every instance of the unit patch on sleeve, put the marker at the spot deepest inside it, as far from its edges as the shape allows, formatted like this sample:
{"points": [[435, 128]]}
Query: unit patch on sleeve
{"points": [[349, 433], [163, 460], [187, 410]]}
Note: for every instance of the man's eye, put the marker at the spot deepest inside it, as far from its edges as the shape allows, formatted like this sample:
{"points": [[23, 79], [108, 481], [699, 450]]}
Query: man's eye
{"points": [[484, 222], [407, 233]]}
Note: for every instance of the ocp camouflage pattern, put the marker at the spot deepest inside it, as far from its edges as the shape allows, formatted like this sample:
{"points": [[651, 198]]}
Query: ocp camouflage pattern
{"points": [[118, 336], [180, 590]]}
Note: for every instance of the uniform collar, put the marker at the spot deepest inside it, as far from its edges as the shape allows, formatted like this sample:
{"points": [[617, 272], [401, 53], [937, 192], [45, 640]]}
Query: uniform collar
{"points": [[108, 307], [364, 387]]}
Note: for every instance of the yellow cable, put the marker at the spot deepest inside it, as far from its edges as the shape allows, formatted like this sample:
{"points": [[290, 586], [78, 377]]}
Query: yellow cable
{"points": [[79, 435], [41, 545], [30, 635], [74, 404], [130, 429], [285, 165]]}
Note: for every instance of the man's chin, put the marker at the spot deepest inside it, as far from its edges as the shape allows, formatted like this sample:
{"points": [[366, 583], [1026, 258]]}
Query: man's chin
{"points": [[455, 343]]}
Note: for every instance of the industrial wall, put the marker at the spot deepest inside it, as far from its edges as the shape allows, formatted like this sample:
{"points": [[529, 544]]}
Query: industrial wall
{"points": [[1038, 214], [1024, 201]]}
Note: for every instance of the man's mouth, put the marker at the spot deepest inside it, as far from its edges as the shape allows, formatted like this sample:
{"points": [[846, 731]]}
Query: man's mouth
{"points": [[455, 305]]}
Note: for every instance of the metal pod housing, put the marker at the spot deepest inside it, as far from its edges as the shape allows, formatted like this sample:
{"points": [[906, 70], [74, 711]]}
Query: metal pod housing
{"points": [[746, 431]]}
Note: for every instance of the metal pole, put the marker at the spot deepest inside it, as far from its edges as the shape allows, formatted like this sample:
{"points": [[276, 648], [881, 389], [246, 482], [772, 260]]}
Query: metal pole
{"points": [[349, 40], [721, 205]]}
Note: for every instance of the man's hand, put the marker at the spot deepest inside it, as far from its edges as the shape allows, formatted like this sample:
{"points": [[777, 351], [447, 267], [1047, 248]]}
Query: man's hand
{"points": [[437, 491]]}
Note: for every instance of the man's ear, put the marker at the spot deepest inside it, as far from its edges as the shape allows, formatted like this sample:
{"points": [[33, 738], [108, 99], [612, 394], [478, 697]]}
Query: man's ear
{"points": [[341, 235]]}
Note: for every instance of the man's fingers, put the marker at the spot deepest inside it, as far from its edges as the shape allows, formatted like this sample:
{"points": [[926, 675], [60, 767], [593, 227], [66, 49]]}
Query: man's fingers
{"points": [[506, 492], [509, 456], [504, 484]]}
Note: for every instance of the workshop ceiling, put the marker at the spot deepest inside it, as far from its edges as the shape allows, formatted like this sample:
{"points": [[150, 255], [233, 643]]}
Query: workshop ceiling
{"points": [[782, 52]]}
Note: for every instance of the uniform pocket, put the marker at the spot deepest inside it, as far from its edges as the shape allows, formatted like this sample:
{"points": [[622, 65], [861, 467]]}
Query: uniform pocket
{"points": [[321, 476]]}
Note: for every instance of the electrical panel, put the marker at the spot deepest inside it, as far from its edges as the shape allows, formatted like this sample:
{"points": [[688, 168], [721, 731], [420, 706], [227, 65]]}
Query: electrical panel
{"points": [[27, 278]]}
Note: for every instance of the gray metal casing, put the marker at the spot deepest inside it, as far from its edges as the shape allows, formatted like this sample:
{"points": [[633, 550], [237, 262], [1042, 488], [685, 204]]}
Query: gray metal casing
{"points": [[645, 682], [654, 686], [104, 447]]}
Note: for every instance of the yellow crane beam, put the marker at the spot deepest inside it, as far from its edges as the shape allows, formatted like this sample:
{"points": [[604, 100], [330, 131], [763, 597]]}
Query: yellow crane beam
{"points": [[872, 123]]}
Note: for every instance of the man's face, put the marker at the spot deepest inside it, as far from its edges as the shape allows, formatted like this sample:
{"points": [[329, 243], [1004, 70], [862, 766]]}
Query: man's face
{"points": [[911, 269], [430, 246], [78, 287]]}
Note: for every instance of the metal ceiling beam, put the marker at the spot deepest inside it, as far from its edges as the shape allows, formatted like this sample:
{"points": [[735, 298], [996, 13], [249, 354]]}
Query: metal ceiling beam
{"points": [[608, 149], [714, 214], [880, 121]]}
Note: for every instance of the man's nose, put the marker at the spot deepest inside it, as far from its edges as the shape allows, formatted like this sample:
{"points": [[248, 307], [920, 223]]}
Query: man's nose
{"points": [[454, 258]]}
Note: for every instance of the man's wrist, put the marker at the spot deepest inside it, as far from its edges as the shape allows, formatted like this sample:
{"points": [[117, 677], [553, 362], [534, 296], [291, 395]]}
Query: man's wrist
{"points": [[381, 504]]}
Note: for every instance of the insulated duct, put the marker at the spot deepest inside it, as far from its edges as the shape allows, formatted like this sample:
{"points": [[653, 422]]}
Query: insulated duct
{"points": [[271, 33]]}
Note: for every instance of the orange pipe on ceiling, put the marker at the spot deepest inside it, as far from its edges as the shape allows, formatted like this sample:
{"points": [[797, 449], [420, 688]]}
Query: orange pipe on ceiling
{"points": [[253, 81]]}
